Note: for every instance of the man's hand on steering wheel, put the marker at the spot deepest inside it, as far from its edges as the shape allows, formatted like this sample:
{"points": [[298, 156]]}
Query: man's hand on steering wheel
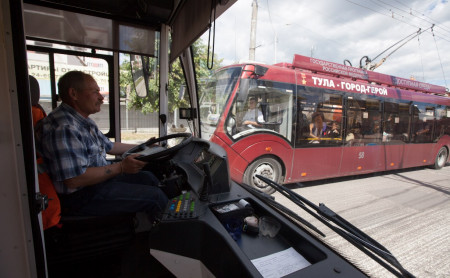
{"points": [[152, 145], [130, 165]]}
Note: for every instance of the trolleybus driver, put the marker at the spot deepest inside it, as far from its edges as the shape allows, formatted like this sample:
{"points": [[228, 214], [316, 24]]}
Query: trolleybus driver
{"points": [[253, 117], [74, 151]]}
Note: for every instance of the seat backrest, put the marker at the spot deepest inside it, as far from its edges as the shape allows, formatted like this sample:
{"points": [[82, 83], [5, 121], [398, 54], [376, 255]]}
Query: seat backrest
{"points": [[34, 90], [52, 214], [37, 110]]}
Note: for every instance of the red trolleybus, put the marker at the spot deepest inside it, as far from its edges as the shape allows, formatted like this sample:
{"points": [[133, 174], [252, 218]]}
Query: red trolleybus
{"points": [[314, 119]]}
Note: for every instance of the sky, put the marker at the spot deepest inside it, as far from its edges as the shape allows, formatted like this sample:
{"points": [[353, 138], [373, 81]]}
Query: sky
{"points": [[342, 29]]}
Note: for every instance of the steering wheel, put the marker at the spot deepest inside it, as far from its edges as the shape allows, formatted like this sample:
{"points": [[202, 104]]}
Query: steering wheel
{"points": [[149, 151]]}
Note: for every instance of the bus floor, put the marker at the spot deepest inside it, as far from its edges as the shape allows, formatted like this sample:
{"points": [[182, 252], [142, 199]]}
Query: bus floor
{"points": [[134, 261]]}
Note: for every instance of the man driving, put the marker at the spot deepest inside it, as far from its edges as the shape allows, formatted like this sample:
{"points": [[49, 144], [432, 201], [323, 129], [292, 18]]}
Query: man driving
{"points": [[253, 117], [74, 151]]}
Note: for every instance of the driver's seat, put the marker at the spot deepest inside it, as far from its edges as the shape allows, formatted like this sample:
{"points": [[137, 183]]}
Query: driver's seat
{"points": [[52, 214], [77, 240]]}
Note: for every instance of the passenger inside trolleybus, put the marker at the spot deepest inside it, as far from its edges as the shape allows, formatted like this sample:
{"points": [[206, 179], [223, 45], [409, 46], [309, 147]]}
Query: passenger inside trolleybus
{"points": [[318, 128], [334, 131]]}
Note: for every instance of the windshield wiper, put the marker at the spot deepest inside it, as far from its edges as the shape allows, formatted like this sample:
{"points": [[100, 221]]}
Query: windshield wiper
{"points": [[352, 234], [270, 200]]}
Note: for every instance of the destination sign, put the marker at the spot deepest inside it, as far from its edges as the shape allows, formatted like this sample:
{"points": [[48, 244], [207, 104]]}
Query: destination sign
{"points": [[358, 73]]}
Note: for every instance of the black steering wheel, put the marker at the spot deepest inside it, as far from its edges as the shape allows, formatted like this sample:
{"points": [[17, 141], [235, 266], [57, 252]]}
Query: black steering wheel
{"points": [[151, 151]]}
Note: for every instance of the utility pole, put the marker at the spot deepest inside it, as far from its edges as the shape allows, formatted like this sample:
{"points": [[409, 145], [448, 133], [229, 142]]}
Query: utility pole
{"points": [[251, 55], [312, 50]]}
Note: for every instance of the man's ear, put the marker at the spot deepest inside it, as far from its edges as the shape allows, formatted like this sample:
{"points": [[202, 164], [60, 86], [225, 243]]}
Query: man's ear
{"points": [[73, 94]]}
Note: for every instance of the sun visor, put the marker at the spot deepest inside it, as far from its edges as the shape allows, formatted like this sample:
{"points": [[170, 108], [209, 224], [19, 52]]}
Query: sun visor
{"points": [[47, 24], [192, 21]]}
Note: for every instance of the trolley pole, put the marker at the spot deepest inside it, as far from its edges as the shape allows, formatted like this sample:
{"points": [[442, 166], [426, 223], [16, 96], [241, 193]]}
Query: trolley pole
{"points": [[251, 55]]}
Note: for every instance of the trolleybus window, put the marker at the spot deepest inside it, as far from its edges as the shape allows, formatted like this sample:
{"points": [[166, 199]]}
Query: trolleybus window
{"points": [[363, 122], [404, 121], [441, 119], [213, 96], [41, 64], [39, 67], [423, 123], [391, 123], [320, 118]]}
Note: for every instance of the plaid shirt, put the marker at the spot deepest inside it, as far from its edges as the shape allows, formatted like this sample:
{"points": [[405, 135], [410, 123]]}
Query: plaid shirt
{"points": [[69, 144]]}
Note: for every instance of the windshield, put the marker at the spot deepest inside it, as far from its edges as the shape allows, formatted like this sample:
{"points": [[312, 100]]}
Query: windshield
{"points": [[213, 96]]}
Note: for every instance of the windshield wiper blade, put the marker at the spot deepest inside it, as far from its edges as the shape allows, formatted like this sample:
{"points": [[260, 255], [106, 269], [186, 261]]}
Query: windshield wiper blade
{"points": [[352, 234], [268, 199]]}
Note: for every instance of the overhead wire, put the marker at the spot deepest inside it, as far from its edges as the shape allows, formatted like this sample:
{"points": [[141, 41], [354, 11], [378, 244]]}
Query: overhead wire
{"points": [[410, 14], [270, 17], [390, 16], [421, 58], [371, 9], [292, 24], [433, 34], [442, 26], [408, 23], [442, 67], [406, 12], [400, 14], [365, 7], [304, 27], [273, 30]]}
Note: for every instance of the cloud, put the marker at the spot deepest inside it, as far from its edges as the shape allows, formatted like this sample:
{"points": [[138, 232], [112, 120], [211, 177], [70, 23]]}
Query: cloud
{"points": [[342, 29]]}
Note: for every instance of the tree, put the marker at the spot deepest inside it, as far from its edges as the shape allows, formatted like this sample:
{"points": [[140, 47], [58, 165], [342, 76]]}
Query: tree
{"points": [[150, 103]]}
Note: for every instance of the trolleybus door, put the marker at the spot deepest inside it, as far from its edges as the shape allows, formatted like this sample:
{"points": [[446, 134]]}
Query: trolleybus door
{"points": [[363, 149], [317, 151]]}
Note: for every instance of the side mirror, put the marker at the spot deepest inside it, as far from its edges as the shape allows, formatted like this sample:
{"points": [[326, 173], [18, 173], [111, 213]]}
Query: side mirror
{"points": [[145, 73], [260, 70], [188, 113]]}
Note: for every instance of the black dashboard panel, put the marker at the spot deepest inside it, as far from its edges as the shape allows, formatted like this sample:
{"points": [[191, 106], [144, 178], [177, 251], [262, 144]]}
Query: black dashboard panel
{"points": [[210, 242]]}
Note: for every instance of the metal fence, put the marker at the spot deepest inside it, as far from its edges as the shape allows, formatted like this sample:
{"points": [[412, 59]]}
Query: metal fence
{"points": [[130, 119]]}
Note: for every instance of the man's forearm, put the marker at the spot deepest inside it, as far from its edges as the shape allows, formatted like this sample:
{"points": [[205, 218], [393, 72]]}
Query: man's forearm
{"points": [[95, 175], [119, 148]]}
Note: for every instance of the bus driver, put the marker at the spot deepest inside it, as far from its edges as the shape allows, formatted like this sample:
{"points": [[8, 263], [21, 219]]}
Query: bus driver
{"points": [[74, 151], [250, 119]]}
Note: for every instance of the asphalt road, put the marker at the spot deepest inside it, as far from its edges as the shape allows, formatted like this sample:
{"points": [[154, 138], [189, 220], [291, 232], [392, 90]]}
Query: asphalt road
{"points": [[407, 211]]}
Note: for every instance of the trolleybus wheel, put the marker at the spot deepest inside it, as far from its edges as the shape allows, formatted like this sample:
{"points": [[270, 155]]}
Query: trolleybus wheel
{"points": [[266, 167], [441, 158]]}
